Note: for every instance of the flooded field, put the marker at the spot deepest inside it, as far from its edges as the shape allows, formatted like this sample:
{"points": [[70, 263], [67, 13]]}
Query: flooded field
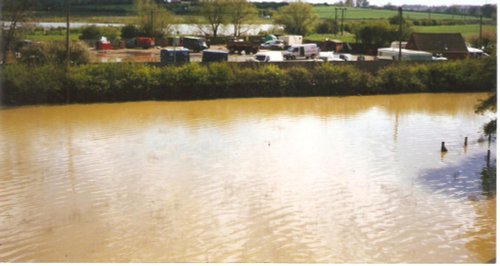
{"points": [[332, 180]]}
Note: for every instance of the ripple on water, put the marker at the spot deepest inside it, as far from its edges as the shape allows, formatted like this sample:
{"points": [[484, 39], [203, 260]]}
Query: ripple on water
{"points": [[330, 180]]}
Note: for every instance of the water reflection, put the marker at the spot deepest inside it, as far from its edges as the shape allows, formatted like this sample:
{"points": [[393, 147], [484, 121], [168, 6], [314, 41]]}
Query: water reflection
{"points": [[332, 180], [466, 179]]}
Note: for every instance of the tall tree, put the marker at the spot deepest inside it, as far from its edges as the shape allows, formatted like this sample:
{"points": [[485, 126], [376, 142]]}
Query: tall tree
{"points": [[216, 13], [297, 17], [240, 12], [14, 12], [153, 18]]}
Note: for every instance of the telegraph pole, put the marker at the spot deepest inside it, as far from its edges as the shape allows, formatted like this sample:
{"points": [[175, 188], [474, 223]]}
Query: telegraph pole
{"points": [[342, 21], [335, 28], [400, 9], [481, 31], [67, 32]]}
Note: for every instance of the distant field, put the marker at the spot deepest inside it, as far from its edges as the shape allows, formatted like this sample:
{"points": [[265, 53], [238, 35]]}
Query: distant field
{"points": [[321, 37], [52, 35], [466, 30], [366, 13]]}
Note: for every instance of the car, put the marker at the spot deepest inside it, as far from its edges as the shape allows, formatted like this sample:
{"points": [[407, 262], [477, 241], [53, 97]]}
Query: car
{"points": [[268, 56], [273, 45]]}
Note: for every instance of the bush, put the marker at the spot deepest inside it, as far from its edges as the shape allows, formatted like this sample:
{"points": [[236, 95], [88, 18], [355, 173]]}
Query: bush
{"points": [[325, 26], [129, 32], [33, 85], [52, 83], [90, 33], [54, 53], [402, 78]]}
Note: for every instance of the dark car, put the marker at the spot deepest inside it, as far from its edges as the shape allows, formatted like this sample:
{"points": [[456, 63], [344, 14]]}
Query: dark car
{"points": [[195, 44]]}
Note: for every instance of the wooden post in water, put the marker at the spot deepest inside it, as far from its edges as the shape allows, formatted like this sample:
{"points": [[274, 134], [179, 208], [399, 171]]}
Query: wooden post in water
{"points": [[443, 148], [465, 141], [488, 159]]}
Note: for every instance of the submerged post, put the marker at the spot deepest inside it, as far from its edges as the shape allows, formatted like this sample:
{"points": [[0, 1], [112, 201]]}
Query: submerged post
{"points": [[443, 148], [488, 159], [465, 141]]}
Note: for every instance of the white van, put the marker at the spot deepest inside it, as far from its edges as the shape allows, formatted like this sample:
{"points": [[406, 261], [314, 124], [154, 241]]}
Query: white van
{"points": [[308, 50], [268, 56]]}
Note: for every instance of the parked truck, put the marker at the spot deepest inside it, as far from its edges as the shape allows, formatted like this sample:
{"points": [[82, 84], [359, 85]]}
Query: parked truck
{"points": [[308, 50], [240, 45]]}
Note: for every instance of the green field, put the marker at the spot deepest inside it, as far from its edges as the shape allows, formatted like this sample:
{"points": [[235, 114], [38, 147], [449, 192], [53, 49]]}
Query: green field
{"points": [[466, 30], [52, 35], [366, 13], [347, 37]]}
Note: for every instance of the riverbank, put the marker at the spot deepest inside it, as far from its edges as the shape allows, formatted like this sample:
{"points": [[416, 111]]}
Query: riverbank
{"points": [[121, 82]]}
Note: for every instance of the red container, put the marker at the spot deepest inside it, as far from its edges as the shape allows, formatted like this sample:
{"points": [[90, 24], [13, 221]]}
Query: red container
{"points": [[104, 46]]}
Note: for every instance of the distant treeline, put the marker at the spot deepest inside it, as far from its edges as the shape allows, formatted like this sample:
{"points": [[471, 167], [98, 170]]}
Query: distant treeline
{"points": [[117, 82]]}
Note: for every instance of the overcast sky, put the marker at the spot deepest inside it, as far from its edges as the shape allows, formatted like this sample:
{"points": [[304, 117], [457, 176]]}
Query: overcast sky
{"points": [[407, 2]]}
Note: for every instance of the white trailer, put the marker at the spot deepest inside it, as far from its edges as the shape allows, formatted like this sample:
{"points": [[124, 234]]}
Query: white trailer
{"points": [[392, 53], [290, 40]]}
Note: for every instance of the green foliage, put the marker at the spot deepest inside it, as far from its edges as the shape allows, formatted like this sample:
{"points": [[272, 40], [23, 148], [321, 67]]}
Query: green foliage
{"points": [[54, 53], [297, 17], [47, 83], [241, 12], [216, 13], [33, 85], [325, 26], [91, 32], [339, 80], [379, 33], [400, 79], [129, 31], [153, 19]]}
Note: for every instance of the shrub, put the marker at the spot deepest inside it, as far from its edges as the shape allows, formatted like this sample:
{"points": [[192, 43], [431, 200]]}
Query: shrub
{"points": [[54, 53], [401, 78], [33, 85], [130, 31], [91, 32], [301, 82]]}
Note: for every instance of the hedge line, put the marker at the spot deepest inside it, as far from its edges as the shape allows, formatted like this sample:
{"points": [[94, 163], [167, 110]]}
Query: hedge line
{"points": [[135, 82]]}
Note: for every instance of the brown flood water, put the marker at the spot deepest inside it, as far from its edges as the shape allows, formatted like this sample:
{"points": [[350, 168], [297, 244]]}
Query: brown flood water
{"points": [[352, 179]]}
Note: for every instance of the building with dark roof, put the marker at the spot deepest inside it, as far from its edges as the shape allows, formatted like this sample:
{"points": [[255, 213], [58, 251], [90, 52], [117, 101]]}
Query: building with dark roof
{"points": [[449, 45]]}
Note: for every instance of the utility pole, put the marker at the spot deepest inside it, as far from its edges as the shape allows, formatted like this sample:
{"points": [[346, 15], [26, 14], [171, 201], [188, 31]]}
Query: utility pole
{"points": [[481, 31], [152, 22], [342, 21], [67, 32], [335, 27], [400, 9]]}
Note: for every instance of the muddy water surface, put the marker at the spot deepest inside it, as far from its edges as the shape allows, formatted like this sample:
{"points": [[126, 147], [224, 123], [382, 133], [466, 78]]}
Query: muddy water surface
{"points": [[352, 179]]}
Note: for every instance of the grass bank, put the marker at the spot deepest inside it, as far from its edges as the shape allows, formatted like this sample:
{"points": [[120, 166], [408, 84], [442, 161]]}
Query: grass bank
{"points": [[42, 84]]}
